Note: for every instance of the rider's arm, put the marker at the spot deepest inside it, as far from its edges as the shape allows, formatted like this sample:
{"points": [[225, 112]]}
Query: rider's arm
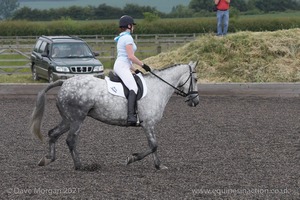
{"points": [[132, 57]]}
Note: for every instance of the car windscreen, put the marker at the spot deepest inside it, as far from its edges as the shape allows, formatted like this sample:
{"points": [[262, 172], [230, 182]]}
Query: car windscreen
{"points": [[70, 50]]}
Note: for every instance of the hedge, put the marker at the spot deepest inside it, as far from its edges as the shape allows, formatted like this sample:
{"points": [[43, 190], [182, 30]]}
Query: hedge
{"points": [[161, 26]]}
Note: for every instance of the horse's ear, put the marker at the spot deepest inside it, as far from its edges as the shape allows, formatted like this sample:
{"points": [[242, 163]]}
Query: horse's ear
{"points": [[194, 64]]}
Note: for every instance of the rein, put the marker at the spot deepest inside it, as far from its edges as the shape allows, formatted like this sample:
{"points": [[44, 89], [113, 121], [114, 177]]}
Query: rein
{"points": [[178, 91]]}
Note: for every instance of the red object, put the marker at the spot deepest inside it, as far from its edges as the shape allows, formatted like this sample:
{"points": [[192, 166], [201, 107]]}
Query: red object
{"points": [[223, 5]]}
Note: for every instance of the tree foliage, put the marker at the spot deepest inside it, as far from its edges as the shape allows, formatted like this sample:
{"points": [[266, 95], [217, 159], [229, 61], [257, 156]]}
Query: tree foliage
{"points": [[7, 8], [276, 5], [103, 11], [181, 11], [241, 5], [199, 5]]}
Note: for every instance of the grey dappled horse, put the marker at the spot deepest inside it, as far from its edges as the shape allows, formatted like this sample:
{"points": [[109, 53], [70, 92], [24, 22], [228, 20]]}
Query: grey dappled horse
{"points": [[83, 96]]}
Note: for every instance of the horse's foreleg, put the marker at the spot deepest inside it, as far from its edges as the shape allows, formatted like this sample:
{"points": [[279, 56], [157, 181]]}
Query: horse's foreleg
{"points": [[139, 156], [53, 134], [72, 141], [157, 162]]}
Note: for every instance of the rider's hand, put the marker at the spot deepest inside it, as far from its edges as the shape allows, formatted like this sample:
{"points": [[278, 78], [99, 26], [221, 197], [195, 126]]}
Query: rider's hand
{"points": [[137, 71], [146, 68]]}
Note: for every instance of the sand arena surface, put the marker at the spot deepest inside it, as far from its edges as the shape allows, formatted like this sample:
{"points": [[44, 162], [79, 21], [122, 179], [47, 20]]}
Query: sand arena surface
{"points": [[233, 147]]}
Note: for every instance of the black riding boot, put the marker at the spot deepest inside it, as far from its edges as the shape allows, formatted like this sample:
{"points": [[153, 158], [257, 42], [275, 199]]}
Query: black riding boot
{"points": [[132, 118]]}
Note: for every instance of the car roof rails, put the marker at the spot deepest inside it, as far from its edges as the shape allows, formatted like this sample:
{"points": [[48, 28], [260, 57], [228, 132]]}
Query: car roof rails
{"points": [[75, 37], [51, 38]]}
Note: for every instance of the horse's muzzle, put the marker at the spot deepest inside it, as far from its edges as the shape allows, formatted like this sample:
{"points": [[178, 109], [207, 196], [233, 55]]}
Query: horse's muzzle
{"points": [[193, 99]]}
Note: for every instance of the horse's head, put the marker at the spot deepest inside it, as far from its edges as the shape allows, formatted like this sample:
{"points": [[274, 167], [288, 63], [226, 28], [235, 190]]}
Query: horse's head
{"points": [[189, 85]]}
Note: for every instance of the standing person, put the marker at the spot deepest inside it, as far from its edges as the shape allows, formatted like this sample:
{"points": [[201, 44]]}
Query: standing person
{"points": [[222, 16], [124, 64]]}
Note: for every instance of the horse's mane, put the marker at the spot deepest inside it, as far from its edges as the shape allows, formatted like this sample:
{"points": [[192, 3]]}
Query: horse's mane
{"points": [[168, 66], [163, 68]]}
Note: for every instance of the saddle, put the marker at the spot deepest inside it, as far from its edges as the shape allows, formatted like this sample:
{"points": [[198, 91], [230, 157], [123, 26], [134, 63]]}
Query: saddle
{"points": [[117, 87]]}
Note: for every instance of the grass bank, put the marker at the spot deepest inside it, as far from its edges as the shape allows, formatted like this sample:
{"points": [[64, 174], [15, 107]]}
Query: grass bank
{"points": [[240, 57]]}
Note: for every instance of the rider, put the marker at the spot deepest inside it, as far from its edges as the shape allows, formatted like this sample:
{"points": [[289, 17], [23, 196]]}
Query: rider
{"points": [[124, 64]]}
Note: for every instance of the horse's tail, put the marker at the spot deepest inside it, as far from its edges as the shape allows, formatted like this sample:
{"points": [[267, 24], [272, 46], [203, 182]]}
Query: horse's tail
{"points": [[38, 112]]}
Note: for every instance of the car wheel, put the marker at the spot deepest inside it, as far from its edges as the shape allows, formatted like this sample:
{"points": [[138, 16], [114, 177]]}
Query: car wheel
{"points": [[35, 75], [50, 76]]}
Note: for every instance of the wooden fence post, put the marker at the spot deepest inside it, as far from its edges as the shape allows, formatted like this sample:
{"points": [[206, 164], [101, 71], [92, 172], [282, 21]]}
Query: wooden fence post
{"points": [[17, 41], [158, 49], [112, 55], [156, 39]]}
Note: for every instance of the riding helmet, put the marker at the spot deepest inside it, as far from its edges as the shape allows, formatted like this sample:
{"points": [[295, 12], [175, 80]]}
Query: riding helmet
{"points": [[126, 20]]}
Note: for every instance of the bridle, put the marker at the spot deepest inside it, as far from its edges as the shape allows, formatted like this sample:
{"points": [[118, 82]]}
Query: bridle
{"points": [[179, 91]]}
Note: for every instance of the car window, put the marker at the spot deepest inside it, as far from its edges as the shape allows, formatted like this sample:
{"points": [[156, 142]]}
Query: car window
{"points": [[80, 50], [37, 45], [43, 48], [70, 50]]}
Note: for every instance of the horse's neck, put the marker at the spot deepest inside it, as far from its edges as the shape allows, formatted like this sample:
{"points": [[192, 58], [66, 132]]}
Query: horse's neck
{"points": [[171, 75]]}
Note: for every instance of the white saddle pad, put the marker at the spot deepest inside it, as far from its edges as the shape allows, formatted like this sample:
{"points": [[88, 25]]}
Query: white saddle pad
{"points": [[116, 88]]}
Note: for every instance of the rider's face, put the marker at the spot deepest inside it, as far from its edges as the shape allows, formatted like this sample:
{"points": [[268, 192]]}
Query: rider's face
{"points": [[131, 27]]}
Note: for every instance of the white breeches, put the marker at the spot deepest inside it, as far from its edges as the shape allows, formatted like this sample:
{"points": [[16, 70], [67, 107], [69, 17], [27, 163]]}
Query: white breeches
{"points": [[122, 69]]}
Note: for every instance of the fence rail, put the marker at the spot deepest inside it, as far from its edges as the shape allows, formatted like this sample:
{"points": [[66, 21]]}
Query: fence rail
{"points": [[17, 49]]}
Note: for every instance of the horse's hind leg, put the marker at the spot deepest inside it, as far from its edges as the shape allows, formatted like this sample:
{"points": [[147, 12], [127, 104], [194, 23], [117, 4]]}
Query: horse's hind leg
{"points": [[153, 147], [54, 134], [72, 141]]}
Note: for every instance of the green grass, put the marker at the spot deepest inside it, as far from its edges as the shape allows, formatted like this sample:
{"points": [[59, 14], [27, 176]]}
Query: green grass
{"points": [[18, 78], [11, 56], [15, 63]]}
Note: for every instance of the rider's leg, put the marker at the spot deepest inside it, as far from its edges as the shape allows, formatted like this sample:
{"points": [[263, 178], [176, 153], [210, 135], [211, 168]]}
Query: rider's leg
{"points": [[132, 117], [122, 69]]}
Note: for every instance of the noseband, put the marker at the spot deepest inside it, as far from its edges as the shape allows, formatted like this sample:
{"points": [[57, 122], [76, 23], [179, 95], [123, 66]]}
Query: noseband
{"points": [[179, 91]]}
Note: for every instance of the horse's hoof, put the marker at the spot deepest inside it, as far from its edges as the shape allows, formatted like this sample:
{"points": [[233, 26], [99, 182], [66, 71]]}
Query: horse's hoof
{"points": [[161, 167], [44, 161], [134, 157], [77, 165], [130, 159]]}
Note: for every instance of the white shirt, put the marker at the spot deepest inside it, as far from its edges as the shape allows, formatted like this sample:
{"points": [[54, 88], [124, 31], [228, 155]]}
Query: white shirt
{"points": [[124, 39]]}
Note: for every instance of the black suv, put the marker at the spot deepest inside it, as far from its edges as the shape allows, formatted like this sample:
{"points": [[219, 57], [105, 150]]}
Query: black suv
{"points": [[62, 57]]}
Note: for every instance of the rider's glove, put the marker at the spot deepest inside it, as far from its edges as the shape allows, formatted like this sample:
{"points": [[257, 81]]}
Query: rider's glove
{"points": [[146, 68], [137, 71]]}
